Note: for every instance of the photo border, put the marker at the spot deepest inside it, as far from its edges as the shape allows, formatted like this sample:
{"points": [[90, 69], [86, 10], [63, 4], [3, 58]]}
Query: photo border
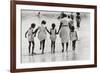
{"points": [[13, 35]]}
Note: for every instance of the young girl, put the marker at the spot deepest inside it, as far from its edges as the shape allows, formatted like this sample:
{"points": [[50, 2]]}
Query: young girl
{"points": [[42, 35], [73, 37], [30, 37], [78, 19], [53, 36]]}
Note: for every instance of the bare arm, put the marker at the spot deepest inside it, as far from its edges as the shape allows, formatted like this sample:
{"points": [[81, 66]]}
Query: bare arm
{"points": [[47, 30], [56, 32], [26, 34], [35, 31], [60, 27]]}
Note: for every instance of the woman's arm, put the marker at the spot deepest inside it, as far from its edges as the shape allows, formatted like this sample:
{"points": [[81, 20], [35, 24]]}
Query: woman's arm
{"points": [[60, 26]]}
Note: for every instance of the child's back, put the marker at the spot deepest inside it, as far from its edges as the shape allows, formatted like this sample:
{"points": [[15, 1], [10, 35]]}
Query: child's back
{"points": [[53, 34], [42, 33], [30, 34]]}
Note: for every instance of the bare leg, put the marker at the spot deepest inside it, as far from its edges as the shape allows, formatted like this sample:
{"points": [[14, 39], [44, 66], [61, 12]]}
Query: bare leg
{"points": [[73, 44], [33, 47], [43, 42], [78, 24], [29, 46], [67, 46], [51, 46], [40, 45], [63, 47], [54, 47]]}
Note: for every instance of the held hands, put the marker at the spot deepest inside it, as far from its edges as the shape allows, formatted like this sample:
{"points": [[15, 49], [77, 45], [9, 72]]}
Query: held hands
{"points": [[57, 32], [34, 34]]}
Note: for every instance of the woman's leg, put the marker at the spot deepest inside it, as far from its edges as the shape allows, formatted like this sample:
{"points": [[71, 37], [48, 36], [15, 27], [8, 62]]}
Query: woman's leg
{"points": [[33, 47], [29, 46], [67, 46], [63, 47]]}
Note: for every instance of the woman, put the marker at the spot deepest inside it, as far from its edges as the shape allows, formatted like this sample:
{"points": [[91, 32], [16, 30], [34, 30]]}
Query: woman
{"points": [[64, 30]]}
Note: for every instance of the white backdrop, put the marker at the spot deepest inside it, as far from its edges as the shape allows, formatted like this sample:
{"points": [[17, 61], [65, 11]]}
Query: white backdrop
{"points": [[5, 36]]}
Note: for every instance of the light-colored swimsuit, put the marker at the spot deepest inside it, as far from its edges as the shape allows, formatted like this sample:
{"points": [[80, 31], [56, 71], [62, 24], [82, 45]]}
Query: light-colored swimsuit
{"points": [[42, 33], [30, 34], [53, 34]]}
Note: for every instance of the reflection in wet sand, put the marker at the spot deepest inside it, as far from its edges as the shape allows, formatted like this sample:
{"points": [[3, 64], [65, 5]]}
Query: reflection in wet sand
{"points": [[48, 57]]}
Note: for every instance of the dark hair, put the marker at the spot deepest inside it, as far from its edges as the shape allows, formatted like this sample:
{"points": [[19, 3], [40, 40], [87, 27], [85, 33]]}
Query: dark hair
{"points": [[68, 16], [78, 13], [72, 28], [53, 25], [43, 22], [33, 25]]}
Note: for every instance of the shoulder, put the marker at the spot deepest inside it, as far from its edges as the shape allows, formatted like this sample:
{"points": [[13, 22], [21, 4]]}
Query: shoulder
{"points": [[29, 29]]}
